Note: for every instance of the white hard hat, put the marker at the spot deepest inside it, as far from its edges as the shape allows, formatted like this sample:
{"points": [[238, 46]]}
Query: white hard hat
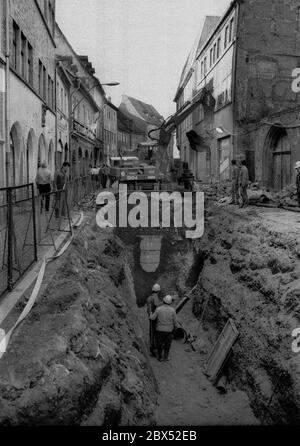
{"points": [[168, 300], [297, 165], [156, 288]]}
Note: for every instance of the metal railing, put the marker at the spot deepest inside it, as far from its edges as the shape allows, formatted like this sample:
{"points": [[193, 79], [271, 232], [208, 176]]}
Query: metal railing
{"points": [[27, 220], [18, 243]]}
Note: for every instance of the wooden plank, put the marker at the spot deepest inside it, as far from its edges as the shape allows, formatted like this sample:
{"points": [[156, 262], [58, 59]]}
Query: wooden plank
{"points": [[221, 350]]}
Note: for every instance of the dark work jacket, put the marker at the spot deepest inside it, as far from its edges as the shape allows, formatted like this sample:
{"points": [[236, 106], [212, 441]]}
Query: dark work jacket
{"points": [[153, 302]]}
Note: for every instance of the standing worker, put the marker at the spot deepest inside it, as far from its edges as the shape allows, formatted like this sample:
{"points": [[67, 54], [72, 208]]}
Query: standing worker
{"points": [[103, 175], [43, 181], [234, 182], [153, 302], [244, 182], [165, 316], [60, 184], [297, 167]]}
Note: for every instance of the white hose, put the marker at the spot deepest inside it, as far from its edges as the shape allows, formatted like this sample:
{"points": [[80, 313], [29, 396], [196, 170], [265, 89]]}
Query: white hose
{"points": [[5, 338]]}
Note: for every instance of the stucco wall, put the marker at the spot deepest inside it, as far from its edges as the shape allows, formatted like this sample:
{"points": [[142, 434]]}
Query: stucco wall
{"points": [[26, 119]]}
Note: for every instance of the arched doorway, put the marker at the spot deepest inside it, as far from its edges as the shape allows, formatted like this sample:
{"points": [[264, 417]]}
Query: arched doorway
{"points": [[14, 168], [29, 157], [66, 153], [58, 155], [86, 163], [277, 159], [50, 156], [80, 162], [41, 150], [12, 162]]}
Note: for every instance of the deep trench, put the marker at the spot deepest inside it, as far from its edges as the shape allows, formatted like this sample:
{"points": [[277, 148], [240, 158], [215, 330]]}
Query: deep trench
{"points": [[281, 407]]}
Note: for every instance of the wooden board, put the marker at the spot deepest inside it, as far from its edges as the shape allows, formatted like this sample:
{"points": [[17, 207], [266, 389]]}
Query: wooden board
{"points": [[221, 350]]}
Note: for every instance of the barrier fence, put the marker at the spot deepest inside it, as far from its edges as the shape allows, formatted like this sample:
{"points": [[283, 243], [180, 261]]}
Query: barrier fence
{"points": [[28, 220], [18, 245]]}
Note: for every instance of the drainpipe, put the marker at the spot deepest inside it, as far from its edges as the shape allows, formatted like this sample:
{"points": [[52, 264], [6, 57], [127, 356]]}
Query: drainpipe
{"points": [[7, 83]]}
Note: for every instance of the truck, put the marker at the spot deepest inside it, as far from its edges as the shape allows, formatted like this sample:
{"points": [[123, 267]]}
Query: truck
{"points": [[136, 174]]}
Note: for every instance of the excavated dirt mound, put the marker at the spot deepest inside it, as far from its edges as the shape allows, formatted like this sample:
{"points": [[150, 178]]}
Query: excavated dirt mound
{"points": [[78, 358], [252, 275]]}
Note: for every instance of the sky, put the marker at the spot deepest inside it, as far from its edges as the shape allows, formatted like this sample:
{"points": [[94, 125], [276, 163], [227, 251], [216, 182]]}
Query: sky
{"points": [[142, 44]]}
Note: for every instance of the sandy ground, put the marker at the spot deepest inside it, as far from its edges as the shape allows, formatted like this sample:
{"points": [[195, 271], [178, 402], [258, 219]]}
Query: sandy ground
{"points": [[187, 397]]}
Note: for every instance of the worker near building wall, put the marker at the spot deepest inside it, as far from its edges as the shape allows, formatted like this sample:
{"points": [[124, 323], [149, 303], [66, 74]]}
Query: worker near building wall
{"points": [[235, 182], [244, 182], [60, 182], [43, 181], [166, 323], [153, 302]]}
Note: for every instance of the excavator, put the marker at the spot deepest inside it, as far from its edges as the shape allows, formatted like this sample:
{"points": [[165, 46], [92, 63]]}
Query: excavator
{"points": [[136, 174]]}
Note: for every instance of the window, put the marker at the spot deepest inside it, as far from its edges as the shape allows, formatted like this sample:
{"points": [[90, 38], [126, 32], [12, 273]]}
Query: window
{"points": [[205, 66], [44, 84], [226, 37], [231, 30], [202, 69], [23, 56], [215, 53], [218, 47], [50, 92], [40, 78], [200, 113], [61, 99], [211, 57], [30, 64], [15, 39]]}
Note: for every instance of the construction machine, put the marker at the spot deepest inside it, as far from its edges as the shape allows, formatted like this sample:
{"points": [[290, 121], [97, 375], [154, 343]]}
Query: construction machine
{"points": [[136, 174]]}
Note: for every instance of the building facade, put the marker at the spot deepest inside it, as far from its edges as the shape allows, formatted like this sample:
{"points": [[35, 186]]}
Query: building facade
{"points": [[29, 89], [124, 134], [2, 92], [110, 130], [235, 98], [63, 89], [130, 134], [85, 108]]}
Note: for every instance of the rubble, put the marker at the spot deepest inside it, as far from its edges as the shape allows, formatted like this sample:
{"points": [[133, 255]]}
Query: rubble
{"points": [[254, 279]]}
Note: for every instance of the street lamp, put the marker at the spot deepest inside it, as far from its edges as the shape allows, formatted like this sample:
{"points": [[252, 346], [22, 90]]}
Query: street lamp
{"points": [[111, 84]]}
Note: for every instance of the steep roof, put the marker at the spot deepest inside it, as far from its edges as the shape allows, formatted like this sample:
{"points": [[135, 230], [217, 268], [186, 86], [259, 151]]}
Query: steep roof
{"points": [[147, 112], [210, 24], [127, 121]]}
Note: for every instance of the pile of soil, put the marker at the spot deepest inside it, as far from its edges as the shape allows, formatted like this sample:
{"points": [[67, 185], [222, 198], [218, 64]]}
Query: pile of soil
{"points": [[78, 358], [252, 275]]}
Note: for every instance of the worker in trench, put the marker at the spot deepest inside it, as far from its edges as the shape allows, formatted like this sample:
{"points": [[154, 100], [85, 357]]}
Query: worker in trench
{"points": [[166, 324], [153, 301]]}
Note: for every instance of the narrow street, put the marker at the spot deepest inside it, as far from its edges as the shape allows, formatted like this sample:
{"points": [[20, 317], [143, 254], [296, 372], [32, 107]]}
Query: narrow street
{"points": [[149, 178]]}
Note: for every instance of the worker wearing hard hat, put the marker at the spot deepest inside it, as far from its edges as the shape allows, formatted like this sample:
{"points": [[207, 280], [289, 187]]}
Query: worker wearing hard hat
{"points": [[165, 316], [153, 301], [297, 167]]}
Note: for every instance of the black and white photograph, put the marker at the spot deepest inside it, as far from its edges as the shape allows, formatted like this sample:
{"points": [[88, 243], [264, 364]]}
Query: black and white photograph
{"points": [[149, 216]]}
